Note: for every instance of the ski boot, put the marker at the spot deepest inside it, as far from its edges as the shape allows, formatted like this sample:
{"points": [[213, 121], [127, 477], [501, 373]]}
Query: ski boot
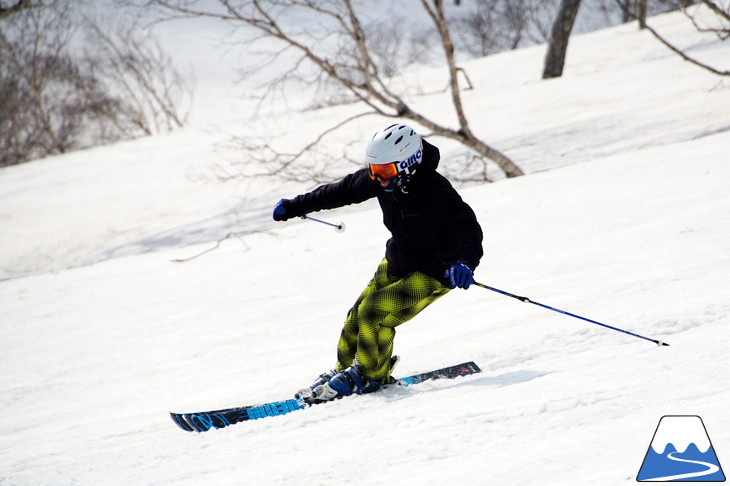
{"points": [[321, 380], [332, 385], [345, 383]]}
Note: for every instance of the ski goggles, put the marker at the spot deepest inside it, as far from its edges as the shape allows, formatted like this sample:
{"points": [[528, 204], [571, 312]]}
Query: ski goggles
{"points": [[383, 172]]}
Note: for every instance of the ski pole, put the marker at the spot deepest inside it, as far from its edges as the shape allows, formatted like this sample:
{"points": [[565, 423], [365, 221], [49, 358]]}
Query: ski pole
{"points": [[658, 342], [340, 228]]}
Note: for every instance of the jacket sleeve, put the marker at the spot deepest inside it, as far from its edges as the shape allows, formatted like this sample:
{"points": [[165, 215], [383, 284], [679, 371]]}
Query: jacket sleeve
{"points": [[462, 221], [352, 189]]}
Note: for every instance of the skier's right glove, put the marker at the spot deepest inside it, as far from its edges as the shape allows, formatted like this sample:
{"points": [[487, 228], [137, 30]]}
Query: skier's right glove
{"points": [[283, 210], [460, 275]]}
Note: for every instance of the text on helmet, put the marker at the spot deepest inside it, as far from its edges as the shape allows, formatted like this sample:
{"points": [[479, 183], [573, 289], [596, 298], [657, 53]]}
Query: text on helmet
{"points": [[413, 159]]}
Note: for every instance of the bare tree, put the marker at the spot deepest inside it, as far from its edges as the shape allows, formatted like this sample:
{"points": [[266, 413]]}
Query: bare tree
{"points": [[344, 55], [628, 9], [56, 99], [39, 80], [565, 18], [641, 9], [134, 68], [558, 45], [481, 31], [498, 25]]}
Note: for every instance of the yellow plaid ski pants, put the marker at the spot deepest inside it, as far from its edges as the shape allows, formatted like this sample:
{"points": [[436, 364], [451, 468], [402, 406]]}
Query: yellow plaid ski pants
{"points": [[386, 302]]}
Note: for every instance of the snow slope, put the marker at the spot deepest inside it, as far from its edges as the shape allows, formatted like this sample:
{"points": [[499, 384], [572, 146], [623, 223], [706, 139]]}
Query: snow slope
{"points": [[102, 334]]}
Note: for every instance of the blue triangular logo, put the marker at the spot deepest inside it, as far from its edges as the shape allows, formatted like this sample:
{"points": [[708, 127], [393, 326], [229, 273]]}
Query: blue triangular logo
{"points": [[681, 451]]}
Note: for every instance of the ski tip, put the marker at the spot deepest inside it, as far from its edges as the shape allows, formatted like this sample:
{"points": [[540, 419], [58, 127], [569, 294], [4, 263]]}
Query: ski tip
{"points": [[179, 419], [661, 343]]}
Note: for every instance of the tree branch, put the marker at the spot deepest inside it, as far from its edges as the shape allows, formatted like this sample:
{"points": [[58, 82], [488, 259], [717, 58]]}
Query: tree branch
{"points": [[717, 9], [685, 56], [352, 66], [19, 5]]}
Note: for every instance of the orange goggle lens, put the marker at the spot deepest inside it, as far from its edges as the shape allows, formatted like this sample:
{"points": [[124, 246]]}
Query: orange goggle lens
{"points": [[383, 171]]}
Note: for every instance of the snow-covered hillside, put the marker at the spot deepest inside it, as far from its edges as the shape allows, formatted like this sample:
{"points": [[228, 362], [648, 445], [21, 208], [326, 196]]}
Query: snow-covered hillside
{"points": [[624, 218]]}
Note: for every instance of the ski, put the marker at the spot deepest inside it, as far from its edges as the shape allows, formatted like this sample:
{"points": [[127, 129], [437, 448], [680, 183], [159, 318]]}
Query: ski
{"points": [[217, 419]]}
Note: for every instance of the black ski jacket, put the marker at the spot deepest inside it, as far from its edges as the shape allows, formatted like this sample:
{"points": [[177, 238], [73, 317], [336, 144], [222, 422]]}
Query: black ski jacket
{"points": [[431, 226]]}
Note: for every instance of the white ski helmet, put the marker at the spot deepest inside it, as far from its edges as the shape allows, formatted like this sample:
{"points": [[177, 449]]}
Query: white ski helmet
{"points": [[397, 145], [394, 143]]}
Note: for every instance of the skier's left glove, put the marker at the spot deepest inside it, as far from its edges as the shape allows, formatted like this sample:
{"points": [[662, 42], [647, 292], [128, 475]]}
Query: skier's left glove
{"points": [[282, 210], [460, 275]]}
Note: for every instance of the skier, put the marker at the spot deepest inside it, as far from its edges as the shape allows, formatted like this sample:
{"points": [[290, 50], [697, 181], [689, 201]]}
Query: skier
{"points": [[435, 246]]}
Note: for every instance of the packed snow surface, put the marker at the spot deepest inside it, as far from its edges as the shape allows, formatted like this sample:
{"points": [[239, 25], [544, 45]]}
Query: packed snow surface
{"points": [[624, 217]]}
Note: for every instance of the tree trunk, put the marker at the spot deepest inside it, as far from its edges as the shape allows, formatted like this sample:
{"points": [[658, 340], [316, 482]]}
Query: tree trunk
{"points": [[464, 134], [558, 45], [19, 5], [641, 13]]}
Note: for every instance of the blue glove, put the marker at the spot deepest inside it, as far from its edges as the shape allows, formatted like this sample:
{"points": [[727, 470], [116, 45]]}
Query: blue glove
{"points": [[282, 210], [460, 275]]}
